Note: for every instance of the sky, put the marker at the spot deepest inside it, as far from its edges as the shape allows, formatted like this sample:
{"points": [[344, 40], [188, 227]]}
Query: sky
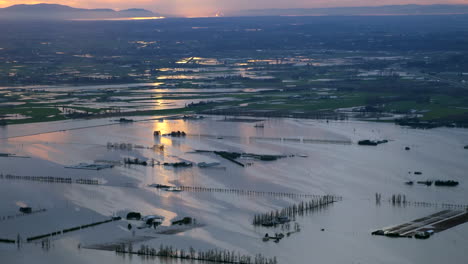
{"points": [[211, 7]]}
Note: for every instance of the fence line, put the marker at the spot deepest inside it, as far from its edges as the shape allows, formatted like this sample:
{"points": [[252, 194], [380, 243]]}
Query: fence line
{"points": [[50, 179], [8, 217], [284, 139], [251, 192], [67, 230]]}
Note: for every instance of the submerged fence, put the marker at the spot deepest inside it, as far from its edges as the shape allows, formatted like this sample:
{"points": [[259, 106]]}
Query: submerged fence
{"points": [[76, 228], [278, 139], [6, 240], [251, 192], [8, 217], [59, 232]]}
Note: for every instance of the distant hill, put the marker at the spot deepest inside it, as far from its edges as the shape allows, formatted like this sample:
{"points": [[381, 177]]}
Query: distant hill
{"points": [[363, 10], [63, 12]]}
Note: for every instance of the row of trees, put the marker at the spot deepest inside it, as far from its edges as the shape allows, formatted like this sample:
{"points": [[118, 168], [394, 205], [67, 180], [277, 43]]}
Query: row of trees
{"points": [[214, 255], [400, 199], [50, 179], [296, 209]]}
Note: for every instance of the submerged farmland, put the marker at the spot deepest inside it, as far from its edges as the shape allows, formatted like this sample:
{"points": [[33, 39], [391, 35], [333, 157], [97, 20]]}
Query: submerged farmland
{"points": [[293, 193]]}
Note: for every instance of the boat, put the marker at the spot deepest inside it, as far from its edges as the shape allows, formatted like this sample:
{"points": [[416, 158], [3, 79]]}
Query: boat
{"points": [[260, 125], [409, 183]]}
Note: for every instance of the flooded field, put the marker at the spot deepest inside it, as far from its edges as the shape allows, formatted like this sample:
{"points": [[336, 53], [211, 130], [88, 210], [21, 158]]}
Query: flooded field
{"points": [[323, 85], [196, 175]]}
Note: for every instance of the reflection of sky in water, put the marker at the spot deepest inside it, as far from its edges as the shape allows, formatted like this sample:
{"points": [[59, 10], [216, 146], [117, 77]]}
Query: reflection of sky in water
{"points": [[353, 171], [151, 104], [82, 87]]}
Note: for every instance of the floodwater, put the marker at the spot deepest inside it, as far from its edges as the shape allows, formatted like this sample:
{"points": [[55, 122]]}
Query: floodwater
{"points": [[125, 97], [354, 172], [80, 87], [153, 104]]}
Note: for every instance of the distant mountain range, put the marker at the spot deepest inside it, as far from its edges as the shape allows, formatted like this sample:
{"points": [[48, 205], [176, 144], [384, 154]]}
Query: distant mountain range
{"points": [[62, 12], [356, 11]]}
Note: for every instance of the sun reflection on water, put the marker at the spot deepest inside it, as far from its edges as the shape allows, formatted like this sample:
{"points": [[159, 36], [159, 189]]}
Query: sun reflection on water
{"points": [[119, 18]]}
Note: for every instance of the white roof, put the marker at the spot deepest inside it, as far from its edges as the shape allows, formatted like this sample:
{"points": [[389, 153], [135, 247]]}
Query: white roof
{"points": [[156, 217]]}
